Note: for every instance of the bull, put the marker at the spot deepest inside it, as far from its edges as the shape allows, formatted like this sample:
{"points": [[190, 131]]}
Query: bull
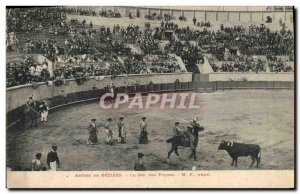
{"points": [[236, 150]]}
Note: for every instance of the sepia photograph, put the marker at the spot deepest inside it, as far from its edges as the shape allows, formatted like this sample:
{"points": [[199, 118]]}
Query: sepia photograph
{"points": [[150, 96]]}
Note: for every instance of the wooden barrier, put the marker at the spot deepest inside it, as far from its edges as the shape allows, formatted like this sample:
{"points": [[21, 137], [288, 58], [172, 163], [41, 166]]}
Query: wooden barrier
{"points": [[13, 116]]}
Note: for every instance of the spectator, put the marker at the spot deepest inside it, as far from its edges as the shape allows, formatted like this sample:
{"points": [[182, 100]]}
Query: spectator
{"points": [[37, 164], [194, 21]]}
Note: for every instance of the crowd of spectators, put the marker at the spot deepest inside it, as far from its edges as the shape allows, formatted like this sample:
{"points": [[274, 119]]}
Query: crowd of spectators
{"points": [[277, 65], [102, 13], [79, 46], [168, 25], [162, 63], [77, 11], [190, 54], [158, 17], [96, 50], [110, 14], [149, 44], [49, 48], [238, 67], [247, 63], [259, 40], [135, 65], [167, 17], [131, 34], [26, 72], [154, 16], [164, 67], [36, 19], [204, 24]]}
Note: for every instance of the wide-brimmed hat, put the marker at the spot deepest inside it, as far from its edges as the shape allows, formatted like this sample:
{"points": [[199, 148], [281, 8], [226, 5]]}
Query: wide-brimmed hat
{"points": [[144, 118], [109, 119], [121, 118], [93, 119], [176, 123]]}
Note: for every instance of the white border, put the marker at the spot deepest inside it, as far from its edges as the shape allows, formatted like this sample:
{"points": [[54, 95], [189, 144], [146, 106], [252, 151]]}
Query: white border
{"points": [[110, 2]]}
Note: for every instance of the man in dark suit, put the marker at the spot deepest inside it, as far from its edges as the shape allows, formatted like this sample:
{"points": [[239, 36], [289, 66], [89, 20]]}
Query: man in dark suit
{"points": [[52, 159], [176, 130], [194, 21], [144, 132], [121, 130], [177, 133], [93, 139]]}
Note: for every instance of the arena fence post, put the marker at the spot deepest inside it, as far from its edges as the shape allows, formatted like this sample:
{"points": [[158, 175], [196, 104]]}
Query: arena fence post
{"points": [[223, 86], [266, 85], [174, 87], [209, 85], [193, 85], [147, 88]]}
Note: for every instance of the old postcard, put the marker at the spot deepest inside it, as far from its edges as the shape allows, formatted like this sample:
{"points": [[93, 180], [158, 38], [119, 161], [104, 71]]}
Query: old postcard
{"points": [[146, 97]]}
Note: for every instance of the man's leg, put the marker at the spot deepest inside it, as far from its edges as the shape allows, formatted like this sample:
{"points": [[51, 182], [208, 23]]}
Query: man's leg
{"points": [[89, 139], [191, 144], [119, 138], [42, 116], [46, 115]]}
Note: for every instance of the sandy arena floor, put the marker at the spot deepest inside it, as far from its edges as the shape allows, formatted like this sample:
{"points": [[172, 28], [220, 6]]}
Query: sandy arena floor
{"points": [[261, 117]]}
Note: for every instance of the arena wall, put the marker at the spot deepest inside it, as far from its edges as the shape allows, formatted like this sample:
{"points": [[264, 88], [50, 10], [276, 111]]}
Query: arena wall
{"points": [[15, 117], [17, 96], [212, 15], [251, 76]]}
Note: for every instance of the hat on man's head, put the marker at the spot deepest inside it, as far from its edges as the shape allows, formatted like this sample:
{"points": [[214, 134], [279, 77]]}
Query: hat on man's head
{"points": [[144, 118], [109, 119], [176, 123], [54, 146], [93, 119], [140, 155], [38, 155], [121, 117]]}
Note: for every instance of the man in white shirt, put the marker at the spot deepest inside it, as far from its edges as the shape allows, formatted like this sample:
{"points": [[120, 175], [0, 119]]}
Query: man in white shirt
{"points": [[38, 70], [45, 64]]}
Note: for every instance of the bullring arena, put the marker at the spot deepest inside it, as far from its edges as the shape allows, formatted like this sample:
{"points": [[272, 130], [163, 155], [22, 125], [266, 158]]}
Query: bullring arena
{"points": [[245, 91]]}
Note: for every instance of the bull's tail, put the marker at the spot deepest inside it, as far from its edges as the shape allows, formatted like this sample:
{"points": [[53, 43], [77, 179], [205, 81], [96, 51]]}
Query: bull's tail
{"points": [[170, 140]]}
